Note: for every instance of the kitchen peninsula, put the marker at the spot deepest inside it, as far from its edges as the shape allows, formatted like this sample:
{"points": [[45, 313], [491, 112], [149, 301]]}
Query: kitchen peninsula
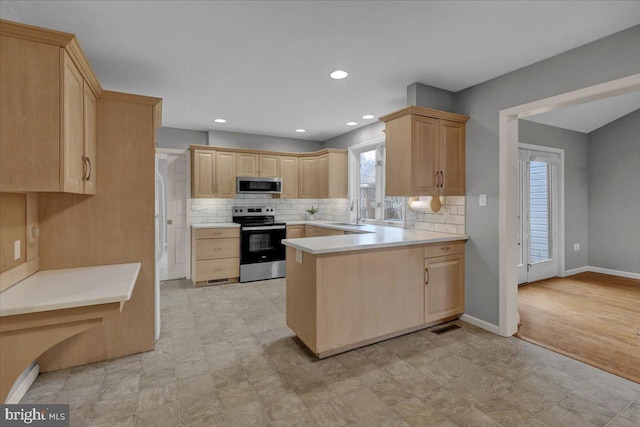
{"points": [[347, 291]]}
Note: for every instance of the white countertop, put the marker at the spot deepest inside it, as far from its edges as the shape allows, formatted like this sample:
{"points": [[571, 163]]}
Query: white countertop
{"points": [[368, 237], [215, 225], [69, 288]]}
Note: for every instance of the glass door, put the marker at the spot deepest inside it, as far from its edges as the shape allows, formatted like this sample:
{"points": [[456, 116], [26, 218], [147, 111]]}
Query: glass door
{"points": [[537, 215]]}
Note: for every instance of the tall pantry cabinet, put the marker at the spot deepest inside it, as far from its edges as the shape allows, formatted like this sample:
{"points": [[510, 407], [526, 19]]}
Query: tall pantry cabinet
{"points": [[86, 156]]}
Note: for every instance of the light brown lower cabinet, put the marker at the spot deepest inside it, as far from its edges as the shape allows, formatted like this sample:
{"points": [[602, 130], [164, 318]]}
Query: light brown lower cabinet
{"points": [[313, 231], [444, 281], [216, 255], [295, 231]]}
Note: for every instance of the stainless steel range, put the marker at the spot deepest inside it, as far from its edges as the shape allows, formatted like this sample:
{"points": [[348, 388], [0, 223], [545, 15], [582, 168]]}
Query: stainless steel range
{"points": [[262, 254]]}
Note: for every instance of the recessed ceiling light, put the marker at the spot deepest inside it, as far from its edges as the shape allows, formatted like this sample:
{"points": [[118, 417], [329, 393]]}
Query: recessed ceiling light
{"points": [[301, 130], [368, 116], [352, 123], [220, 121], [338, 75]]}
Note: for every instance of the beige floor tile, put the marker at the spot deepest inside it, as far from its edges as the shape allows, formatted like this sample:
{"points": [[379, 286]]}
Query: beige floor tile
{"points": [[157, 377], [282, 404], [249, 414], [446, 401], [201, 384], [301, 419], [237, 394], [505, 412], [129, 421], [80, 416], [113, 388], [167, 415], [201, 409], [116, 407], [386, 418], [333, 413], [363, 402], [157, 396], [418, 412], [191, 368], [392, 392], [558, 416], [315, 393], [76, 398], [473, 417]]}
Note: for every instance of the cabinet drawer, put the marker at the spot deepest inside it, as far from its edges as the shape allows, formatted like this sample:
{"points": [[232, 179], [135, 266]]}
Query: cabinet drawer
{"points": [[217, 248], [445, 248], [212, 269], [217, 233]]}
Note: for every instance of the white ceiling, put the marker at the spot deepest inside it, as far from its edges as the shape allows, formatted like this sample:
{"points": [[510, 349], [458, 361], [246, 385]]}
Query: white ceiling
{"points": [[264, 65], [592, 115]]}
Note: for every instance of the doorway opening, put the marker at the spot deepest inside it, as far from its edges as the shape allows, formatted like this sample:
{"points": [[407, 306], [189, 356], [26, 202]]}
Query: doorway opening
{"points": [[508, 184]]}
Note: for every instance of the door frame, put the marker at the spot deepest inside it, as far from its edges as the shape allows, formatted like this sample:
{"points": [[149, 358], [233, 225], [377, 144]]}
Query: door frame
{"points": [[508, 184], [559, 219], [186, 153]]}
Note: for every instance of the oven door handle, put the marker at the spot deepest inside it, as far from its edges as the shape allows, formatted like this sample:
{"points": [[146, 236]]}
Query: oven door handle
{"points": [[269, 227]]}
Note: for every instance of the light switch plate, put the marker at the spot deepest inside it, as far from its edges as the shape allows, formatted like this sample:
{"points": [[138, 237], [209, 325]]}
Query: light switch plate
{"points": [[16, 249], [576, 246], [482, 200]]}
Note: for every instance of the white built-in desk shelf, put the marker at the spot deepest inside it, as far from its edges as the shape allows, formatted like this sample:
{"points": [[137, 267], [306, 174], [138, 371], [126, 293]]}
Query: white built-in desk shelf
{"points": [[69, 288], [51, 306]]}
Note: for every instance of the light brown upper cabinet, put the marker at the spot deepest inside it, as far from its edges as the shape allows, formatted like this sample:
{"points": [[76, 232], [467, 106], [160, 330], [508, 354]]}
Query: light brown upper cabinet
{"points": [[213, 174], [324, 176], [425, 152], [308, 179], [289, 174], [263, 165], [47, 110]]}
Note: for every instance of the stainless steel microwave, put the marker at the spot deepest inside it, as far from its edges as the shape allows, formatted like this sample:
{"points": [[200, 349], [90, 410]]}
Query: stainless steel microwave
{"points": [[253, 185]]}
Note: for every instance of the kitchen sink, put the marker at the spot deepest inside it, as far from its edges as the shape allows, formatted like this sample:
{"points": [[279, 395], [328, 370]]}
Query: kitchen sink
{"points": [[346, 224]]}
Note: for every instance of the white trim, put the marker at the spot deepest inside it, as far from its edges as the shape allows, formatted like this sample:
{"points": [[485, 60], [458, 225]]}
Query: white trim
{"points": [[480, 323], [508, 151], [22, 384], [575, 271], [626, 274]]}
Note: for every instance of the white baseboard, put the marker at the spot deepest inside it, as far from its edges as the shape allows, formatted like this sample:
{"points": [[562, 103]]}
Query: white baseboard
{"points": [[592, 269], [494, 329], [626, 274], [22, 385]]}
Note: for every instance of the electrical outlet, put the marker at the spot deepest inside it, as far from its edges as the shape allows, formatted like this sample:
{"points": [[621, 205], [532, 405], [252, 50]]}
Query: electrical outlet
{"points": [[16, 249], [482, 200], [576, 246]]}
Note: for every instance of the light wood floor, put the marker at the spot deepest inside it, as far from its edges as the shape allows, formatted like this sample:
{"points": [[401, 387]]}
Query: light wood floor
{"points": [[591, 317]]}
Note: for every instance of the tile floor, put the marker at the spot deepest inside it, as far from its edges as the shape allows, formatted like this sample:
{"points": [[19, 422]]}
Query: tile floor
{"points": [[226, 358]]}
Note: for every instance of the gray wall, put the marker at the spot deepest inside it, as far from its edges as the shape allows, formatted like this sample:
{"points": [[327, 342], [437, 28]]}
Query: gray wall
{"points": [[614, 195], [180, 138], [357, 136], [262, 142], [606, 59], [576, 181], [430, 97], [9, 12]]}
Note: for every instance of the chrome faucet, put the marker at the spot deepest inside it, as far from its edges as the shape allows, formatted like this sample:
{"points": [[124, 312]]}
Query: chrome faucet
{"points": [[355, 202]]}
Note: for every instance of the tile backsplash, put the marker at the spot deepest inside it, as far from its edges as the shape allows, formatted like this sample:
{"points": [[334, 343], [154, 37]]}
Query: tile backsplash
{"points": [[450, 219]]}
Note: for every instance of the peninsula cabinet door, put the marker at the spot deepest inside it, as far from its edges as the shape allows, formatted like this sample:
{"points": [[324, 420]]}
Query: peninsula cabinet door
{"points": [[444, 287]]}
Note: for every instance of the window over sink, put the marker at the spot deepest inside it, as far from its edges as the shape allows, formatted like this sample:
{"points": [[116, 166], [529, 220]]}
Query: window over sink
{"points": [[367, 186]]}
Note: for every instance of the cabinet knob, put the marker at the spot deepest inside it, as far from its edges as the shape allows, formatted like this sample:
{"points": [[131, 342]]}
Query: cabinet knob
{"points": [[445, 248], [217, 269]]}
